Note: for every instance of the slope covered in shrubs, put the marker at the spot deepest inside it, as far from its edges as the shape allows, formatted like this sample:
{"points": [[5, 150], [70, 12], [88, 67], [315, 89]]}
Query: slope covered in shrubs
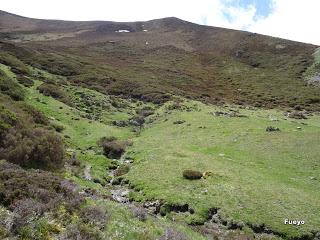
{"points": [[33, 148], [25, 138], [10, 87]]}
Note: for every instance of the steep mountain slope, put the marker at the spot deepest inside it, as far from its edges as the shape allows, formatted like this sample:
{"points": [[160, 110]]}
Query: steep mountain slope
{"points": [[149, 60]]}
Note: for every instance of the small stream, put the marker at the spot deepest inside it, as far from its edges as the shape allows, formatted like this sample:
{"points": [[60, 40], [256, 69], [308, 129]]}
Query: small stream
{"points": [[214, 226]]}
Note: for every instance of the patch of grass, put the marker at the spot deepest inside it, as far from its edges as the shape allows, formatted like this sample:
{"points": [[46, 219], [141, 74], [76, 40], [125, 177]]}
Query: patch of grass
{"points": [[83, 132], [258, 177], [124, 225]]}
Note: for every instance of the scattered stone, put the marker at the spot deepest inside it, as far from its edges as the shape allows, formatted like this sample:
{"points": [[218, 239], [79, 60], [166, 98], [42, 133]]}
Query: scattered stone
{"points": [[313, 178], [228, 114], [74, 160], [120, 123], [280, 46], [87, 175], [116, 181], [121, 170], [273, 119], [120, 195], [179, 122], [205, 191], [299, 128], [298, 108], [272, 129], [96, 180]]}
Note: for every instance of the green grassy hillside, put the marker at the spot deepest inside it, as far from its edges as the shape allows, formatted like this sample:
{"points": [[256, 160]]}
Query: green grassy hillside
{"points": [[169, 131]]}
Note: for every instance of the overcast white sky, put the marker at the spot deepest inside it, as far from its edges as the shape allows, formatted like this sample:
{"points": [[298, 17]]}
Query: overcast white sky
{"points": [[291, 19]]}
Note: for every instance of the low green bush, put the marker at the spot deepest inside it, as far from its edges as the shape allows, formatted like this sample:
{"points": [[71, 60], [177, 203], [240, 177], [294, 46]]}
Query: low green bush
{"points": [[16, 65], [57, 127], [11, 88]]}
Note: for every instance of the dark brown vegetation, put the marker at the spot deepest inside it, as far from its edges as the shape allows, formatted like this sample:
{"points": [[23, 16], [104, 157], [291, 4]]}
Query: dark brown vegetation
{"points": [[94, 215], [173, 235], [25, 81], [192, 174], [24, 139], [112, 147], [10, 87], [18, 184], [55, 91], [204, 63], [32, 192], [297, 115], [14, 63], [33, 148], [272, 129]]}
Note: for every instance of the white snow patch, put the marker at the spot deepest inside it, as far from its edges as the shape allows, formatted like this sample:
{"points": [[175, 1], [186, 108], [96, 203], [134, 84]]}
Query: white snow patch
{"points": [[123, 31]]}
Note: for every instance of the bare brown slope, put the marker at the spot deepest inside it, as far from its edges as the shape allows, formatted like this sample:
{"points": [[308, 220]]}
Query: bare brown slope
{"points": [[155, 59]]}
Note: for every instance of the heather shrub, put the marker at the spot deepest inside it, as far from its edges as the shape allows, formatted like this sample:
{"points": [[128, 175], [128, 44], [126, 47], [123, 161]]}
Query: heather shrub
{"points": [[35, 190], [11, 88], [145, 111], [57, 64], [16, 65], [25, 210], [82, 231], [192, 174], [297, 115], [57, 127], [33, 148], [55, 91], [25, 81], [140, 213], [137, 121], [37, 116], [173, 234], [113, 148], [94, 215], [7, 120]]}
